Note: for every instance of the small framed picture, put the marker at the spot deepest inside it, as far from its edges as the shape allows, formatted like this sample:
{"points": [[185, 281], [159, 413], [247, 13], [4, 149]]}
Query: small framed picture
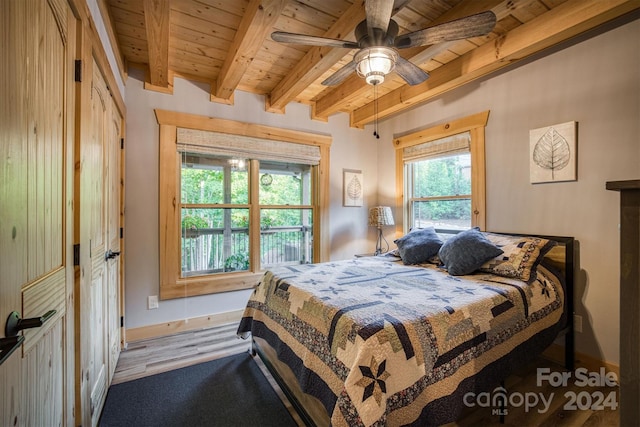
{"points": [[553, 153], [352, 187]]}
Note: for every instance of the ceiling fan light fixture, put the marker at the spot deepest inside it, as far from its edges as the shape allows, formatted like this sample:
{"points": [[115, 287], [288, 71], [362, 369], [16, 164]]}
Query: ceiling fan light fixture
{"points": [[374, 63]]}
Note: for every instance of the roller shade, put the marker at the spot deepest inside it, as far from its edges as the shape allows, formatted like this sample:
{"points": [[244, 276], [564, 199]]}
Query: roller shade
{"points": [[246, 147], [454, 144]]}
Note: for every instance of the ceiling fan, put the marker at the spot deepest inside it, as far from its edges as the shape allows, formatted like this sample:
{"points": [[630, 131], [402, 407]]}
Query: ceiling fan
{"points": [[378, 42]]}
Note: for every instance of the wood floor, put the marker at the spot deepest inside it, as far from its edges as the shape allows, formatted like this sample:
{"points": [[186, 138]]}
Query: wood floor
{"points": [[152, 356]]}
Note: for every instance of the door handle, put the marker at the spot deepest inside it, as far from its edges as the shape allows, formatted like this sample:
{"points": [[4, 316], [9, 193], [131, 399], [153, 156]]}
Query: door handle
{"points": [[9, 345], [111, 255], [15, 324]]}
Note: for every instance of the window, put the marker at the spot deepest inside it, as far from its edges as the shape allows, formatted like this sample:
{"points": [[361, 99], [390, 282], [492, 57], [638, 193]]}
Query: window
{"points": [[439, 191], [216, 211], [441, 175], [236, 199], [286, 214], [214, 194]]}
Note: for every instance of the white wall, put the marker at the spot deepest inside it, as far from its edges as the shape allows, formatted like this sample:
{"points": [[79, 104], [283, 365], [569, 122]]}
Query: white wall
{"points": [[351, 149], [597, 84]]}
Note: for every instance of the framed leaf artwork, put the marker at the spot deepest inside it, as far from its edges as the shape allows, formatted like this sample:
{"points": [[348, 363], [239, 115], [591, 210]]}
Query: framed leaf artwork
{"points": [[352, 187], [553, 153]]}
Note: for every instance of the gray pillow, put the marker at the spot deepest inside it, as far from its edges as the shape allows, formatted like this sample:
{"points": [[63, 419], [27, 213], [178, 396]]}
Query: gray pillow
{"points": [[418, 245], [465, 252]]}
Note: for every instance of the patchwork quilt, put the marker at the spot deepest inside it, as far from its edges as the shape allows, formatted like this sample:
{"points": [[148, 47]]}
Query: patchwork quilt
{"points": [[382, 343]]}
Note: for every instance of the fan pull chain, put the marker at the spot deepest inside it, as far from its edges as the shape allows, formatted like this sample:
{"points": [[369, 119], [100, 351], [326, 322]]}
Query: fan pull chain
{"points": [[375, 112]]}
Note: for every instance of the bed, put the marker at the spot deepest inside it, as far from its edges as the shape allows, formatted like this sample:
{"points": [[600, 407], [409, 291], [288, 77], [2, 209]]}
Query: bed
{"points": [[380, 341]]}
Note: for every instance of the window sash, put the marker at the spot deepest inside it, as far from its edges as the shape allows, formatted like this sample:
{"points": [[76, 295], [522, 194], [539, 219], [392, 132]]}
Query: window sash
{"points": [[297, 246], [207, 250], [410, 171]]}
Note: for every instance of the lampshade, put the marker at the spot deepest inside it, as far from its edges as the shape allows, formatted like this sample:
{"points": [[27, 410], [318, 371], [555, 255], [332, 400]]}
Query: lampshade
{"points": [[375, 62], [380, 215]]}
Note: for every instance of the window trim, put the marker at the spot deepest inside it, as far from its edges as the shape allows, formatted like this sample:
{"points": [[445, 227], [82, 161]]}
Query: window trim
{"points": [[172, 285], [475, 125]]}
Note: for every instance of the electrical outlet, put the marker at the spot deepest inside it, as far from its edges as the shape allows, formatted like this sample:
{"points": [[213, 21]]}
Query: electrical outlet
{"points": [[152, 302], [577, 323]]}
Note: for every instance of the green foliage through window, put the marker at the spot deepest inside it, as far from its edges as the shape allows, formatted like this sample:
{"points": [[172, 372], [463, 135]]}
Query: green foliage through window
{"points": [[441, 191], [215, 238]]}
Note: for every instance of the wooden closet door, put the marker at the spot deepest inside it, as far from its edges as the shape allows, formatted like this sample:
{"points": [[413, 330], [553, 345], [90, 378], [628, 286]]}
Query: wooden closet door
{"points": [[114, 179], [94, 191], [98, 217], [36, 194]]}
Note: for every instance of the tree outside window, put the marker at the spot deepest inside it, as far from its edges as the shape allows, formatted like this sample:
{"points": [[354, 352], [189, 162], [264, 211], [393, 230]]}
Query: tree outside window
{"points": [[216, 214], [440, 179], [441, 195]]}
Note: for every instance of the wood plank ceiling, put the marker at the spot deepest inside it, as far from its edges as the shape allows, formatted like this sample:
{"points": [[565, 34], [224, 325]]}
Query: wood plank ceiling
{"points": [[227, 44]]}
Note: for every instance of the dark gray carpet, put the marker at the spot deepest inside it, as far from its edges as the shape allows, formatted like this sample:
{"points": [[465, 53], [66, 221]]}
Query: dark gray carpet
{"points": [[231, 391]]}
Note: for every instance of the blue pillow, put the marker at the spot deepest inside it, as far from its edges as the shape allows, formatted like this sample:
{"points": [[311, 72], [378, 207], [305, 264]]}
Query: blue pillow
{"points": [[418, 245], [465, 252]]}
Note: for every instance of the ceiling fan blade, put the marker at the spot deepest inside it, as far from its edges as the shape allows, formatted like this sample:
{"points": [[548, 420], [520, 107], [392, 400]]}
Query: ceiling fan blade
{"points": [[410, 72], [283, 37], [463, 28], [378, 14], [340, 75]]}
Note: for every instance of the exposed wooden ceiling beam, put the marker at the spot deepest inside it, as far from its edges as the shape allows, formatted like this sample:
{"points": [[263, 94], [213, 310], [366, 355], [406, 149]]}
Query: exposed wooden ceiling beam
{"points": [[565, 21], [316, 62], [355, 87], [257, 22], [156, 19]]}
